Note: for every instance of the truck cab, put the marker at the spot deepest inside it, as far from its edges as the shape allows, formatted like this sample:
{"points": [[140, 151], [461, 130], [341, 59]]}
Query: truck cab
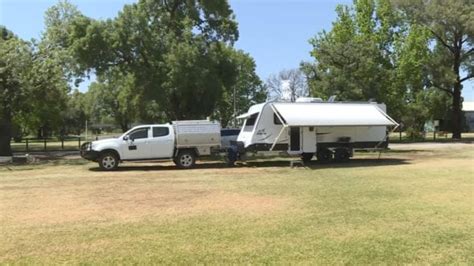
{"points": [[147, 142]]}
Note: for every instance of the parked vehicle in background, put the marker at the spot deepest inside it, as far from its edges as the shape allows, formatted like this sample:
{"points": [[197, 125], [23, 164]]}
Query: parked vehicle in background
{"points": [[229, 136], [180, 141]]}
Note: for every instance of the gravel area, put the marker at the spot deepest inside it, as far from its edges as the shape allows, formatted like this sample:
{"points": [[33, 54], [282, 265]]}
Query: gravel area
{"points": [[430, 146]]}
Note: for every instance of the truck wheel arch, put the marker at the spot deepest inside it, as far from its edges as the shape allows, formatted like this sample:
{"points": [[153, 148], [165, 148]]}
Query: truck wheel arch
{"points": [[111, 151], [193, 150], [185, 158]]}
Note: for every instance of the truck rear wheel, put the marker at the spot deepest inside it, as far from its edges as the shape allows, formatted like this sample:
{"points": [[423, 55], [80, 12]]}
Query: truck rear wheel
{"points": [[108, 161], [185, 159]]}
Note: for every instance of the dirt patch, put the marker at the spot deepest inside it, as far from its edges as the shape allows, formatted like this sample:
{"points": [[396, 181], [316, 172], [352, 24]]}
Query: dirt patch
{"points": [[51, 202]]}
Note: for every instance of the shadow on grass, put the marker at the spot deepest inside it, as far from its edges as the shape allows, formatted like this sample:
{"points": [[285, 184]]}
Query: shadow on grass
{"points": [[353, 163], [272, 163], [401, 151]]}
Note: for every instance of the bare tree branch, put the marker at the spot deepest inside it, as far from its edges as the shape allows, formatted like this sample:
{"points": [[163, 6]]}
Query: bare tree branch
{"points": [[470, 76], [468, 53]]}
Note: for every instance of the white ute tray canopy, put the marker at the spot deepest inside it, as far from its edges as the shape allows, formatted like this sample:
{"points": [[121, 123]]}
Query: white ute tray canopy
{"points": [[332, 114]]}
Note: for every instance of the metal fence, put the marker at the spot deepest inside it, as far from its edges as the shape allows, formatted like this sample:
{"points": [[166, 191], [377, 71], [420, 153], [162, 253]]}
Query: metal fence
{"points": [[438, 136], [73, 143], [48, 144]]}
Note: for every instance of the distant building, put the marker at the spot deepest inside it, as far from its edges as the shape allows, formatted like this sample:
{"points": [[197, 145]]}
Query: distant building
{"points": [[468, 108]]}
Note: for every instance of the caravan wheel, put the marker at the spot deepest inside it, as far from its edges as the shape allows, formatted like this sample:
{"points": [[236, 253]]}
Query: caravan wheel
{"points": [[324, 155], [342, 155]]}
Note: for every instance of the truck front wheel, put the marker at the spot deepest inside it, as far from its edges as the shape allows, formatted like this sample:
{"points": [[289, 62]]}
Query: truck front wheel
{"points": [[185, 159], [108, 161]]}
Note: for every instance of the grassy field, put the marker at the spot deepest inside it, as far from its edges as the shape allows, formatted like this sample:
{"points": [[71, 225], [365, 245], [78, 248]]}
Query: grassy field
{"points": [[411, 206]]}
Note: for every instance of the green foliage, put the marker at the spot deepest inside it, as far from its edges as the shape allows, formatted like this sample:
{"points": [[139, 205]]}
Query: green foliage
{"points": [[15, 58], [246, 88], [179, 53], [451, 30], [49, 89], [76, 114], [33, 89], [355, 59], [58, 21], [112, 96], [15, 61], [384, 50]]}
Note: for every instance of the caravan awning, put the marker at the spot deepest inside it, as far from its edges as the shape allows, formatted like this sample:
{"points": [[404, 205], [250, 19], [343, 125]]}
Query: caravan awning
{"points": [[255, 109], [332, 114]]}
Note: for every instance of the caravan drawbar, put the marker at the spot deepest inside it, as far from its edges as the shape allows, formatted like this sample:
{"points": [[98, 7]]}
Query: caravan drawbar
{"points": [[325, 130]]}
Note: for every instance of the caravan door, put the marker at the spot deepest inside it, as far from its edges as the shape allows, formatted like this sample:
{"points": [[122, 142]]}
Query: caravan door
{"points": [[295, 139]]}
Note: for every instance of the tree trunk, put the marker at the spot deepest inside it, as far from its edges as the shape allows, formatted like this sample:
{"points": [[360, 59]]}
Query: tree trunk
{"points": [[39, 133], [457, 112], [5, 137], [124, 126], [457, 86]]}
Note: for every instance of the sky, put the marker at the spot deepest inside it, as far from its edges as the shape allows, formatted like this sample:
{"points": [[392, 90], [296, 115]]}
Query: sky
{"points": [[274, 32]]}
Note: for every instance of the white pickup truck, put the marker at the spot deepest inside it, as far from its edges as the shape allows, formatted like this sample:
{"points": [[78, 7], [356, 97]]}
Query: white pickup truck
{"points": [[180, 141]]}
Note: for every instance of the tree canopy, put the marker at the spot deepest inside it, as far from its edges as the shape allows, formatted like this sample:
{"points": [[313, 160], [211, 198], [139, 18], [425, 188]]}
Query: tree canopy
{"points": [[384, 50]]}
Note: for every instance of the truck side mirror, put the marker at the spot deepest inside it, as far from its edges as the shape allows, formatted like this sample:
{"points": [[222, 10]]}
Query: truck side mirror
{"points": [[125, 137]]}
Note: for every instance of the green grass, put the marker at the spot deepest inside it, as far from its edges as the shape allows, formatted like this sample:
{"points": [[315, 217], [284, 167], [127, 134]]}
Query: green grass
{"points": [[409, 207]]}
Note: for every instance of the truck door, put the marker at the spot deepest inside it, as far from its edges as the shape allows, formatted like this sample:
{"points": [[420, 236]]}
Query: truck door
{"points": [[295, 139], [162, 142], [136, 145]]}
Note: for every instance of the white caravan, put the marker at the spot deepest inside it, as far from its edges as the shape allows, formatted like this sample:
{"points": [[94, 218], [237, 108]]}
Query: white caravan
{"points": [[329, 130]]}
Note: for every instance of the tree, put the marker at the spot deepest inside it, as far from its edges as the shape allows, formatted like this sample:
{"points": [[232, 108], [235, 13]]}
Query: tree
{"points": [[49, 88], [287, 85], [58, 21], [15, 59], [373, 53], [48, 73], [354, 59], [76, 113], [174, 49], [246, 89], [112, 95], [452, 29]]}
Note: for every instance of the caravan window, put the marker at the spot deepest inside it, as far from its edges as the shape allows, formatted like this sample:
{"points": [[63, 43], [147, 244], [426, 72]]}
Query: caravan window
{"points": [[276, 120], [250, 122]]}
